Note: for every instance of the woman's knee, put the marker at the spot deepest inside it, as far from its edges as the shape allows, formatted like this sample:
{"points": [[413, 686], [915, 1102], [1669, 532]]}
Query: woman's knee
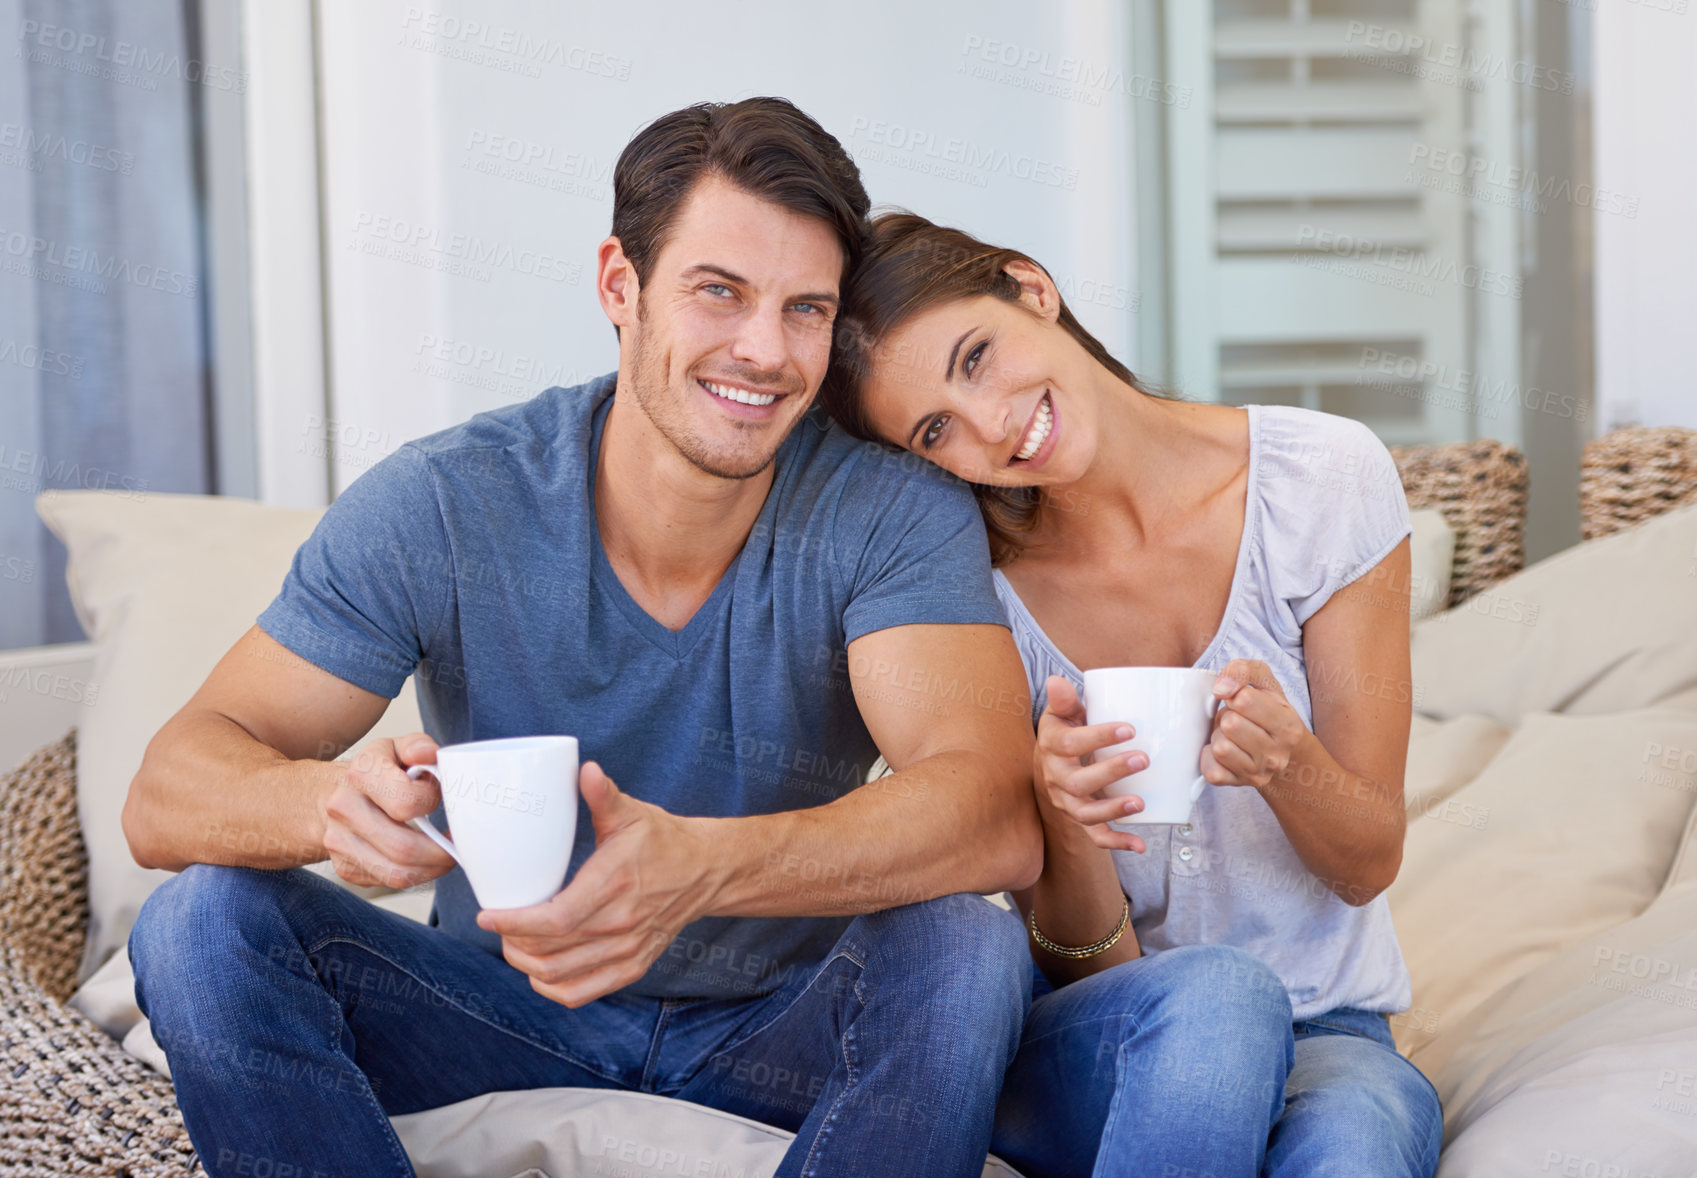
{"points": [[1219, 982], [1356, 1102]]}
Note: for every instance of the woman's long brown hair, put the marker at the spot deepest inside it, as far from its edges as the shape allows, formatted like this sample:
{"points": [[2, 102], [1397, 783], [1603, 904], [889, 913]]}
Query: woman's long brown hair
{"points": [[908, 265]]}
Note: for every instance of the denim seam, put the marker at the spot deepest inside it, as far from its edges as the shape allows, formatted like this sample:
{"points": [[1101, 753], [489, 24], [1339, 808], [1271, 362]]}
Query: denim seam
{"points": [[732, 1044], [1120, 1086], [651, 1064], [1136, 1027], [338, 1024], [1321, 1022], [567, 1056], [827, 1123]]}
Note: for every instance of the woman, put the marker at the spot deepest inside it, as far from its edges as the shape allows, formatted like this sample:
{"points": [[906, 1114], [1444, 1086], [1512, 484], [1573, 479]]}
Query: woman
{"points": [[1213, 997]]}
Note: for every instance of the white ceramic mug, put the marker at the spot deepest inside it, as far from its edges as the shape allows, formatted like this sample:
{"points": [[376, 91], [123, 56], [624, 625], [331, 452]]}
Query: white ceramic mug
{"points": [[1172, 710], [512, 810]]}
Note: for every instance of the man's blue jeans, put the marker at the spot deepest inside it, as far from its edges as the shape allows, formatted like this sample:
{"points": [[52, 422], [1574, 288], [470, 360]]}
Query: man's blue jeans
{"points": [[298, 1018], [1186, 1064]]}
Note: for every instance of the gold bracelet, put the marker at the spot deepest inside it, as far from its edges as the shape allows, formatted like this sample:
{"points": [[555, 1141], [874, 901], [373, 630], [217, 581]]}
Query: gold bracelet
{"points": [[1101, 946]]}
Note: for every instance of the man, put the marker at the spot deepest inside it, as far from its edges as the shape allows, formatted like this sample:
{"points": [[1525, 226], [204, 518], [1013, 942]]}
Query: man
{"points": [[734, 608]]}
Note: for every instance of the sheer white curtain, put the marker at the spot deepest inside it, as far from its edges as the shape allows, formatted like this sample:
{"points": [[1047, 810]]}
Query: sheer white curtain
{"points": [[103, 357]]}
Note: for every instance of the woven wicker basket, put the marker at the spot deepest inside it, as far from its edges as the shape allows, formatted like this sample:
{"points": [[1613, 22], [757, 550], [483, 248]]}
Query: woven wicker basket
{"points": [[73, 1102], [1480, 488], [1629, 475]]}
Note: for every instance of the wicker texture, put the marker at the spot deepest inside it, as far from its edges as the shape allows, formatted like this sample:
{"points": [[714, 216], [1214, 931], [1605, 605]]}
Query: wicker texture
{"points": [[1480, 489], [1629, 475], [73, 1102]]}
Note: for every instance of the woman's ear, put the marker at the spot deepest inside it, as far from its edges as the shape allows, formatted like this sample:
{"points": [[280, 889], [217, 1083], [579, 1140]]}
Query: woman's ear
{"points": [[1037, 291]]}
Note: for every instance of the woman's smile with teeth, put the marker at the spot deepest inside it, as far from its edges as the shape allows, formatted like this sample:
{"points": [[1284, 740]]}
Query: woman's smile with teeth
{"points": [[731, 393], [1042, 421]]}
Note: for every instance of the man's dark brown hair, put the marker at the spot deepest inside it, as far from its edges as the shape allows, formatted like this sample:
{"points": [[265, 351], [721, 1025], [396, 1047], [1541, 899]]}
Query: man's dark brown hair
{"points": [[765, 146]]}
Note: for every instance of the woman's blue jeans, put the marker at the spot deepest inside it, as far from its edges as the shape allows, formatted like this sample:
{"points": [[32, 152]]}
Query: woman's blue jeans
{"points": [[297, 1018], [1186, 1064]]}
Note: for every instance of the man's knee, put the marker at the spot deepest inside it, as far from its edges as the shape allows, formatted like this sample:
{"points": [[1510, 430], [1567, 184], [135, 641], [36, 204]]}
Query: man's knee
{"points": [[959, 947], [963, 928], [193, 920]]}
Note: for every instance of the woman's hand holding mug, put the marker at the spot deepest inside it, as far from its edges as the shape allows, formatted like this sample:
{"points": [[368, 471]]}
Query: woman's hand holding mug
{"points": [[1071, 786], [1256, 731]]}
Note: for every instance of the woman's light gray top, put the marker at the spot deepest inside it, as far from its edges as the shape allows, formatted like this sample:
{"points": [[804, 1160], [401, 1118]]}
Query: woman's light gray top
{"points": [[1324, 506]]}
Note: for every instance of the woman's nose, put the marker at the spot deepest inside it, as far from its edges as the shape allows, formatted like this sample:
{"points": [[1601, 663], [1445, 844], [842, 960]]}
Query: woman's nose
{"points": [[992, 422]]}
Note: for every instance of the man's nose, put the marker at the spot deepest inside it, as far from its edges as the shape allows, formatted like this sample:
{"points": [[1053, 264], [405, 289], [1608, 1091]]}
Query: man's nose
{"points": [[761, 341]]}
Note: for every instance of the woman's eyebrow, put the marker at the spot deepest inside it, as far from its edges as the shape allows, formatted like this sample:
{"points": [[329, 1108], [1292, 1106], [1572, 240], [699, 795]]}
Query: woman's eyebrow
{"points": [[949, 373]]}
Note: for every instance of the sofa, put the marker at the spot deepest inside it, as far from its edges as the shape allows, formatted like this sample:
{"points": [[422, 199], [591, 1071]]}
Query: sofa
{"points": [[1547, 903]]}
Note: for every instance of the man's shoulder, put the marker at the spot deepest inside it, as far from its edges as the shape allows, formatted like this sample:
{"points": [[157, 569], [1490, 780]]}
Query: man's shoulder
{"points": [[831, 455], [552, 417]]}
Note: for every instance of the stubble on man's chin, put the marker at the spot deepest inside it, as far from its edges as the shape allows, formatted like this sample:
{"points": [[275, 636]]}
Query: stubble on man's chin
{"points": [[663, 406]]}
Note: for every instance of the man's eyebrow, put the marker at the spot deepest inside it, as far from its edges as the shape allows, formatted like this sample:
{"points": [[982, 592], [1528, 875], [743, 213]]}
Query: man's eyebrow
{"points": [[949, 374], [710, 268]]}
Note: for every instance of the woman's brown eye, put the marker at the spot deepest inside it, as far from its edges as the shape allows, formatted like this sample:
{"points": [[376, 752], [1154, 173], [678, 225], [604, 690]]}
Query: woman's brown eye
{"points": [[933, 432], [972, 358]]}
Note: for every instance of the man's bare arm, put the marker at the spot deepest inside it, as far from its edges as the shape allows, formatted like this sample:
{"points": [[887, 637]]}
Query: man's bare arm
{"points": [[949, 708], [243, 774]]}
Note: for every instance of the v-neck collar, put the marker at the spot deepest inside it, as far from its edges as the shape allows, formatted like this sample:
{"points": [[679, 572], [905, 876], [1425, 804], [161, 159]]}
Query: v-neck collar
{"points": [[676, 643], [1240, 569]]}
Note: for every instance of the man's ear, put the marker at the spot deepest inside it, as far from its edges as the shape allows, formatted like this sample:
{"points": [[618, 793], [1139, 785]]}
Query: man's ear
{"points": [[1037, 291], [616, 283]]}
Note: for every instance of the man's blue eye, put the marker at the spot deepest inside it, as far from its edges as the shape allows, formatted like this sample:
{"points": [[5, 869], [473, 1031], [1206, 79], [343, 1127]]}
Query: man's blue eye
{"points": [[717, 286]]}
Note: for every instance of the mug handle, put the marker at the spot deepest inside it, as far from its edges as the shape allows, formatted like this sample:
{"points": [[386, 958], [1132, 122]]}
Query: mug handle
{"points": [[1210, 709], [422, 822]]}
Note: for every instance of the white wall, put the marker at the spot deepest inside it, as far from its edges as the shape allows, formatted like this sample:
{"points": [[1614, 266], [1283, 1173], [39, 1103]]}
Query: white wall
{"points": [[1645, 133], [419, 100]]}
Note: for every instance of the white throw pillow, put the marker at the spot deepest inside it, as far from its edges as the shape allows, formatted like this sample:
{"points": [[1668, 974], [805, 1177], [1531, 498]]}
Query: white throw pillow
{"points": [[1431, 553], [1607, 625], [1562, 835], [164, 585]]}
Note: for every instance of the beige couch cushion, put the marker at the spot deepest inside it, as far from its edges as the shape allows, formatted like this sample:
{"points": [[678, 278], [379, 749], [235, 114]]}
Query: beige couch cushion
{"points": [[1588, 1065], [1562, 835], [164, 585], [1607, 625]]}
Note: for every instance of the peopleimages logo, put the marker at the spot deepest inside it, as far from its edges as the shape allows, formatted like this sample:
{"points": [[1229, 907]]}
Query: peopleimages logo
{"points": [[1482, 391], [36, 251], [124, 55], [505, 47], [411, 241], [38, 146], [1476, 176], [1074, 71], [973, 158], [1373, 40], [1416, 263]]}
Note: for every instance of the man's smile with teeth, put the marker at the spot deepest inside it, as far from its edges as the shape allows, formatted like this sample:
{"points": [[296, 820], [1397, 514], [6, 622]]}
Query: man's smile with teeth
{"points": [[732, 393], [1041, 422]]}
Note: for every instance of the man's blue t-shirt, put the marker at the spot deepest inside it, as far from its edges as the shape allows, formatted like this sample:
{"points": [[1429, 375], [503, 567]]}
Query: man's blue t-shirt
{"points": [[471, 559]]}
